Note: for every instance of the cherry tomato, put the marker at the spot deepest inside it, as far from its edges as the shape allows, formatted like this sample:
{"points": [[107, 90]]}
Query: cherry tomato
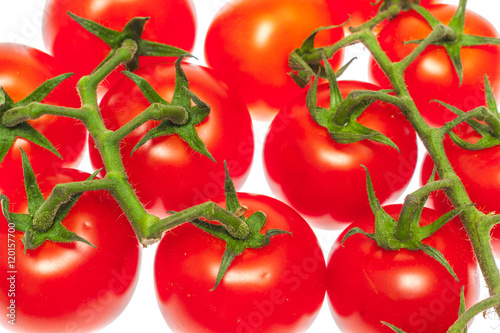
{"points": [[167, 173], [63, 287], [249, 41], [322, 179], [408, 289], [277, 288], [22, 70], [479, 172], [172, 22], [432, 75], [358, 11]]}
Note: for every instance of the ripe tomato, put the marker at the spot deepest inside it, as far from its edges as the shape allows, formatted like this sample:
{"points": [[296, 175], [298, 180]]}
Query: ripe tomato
{"points": [[323, 179], [22, 70], [172, 22], [408, 289], [246, 43], [182, 177], [432, 75], [479, 172], [277, 288], [68, 287], [359, 11]]}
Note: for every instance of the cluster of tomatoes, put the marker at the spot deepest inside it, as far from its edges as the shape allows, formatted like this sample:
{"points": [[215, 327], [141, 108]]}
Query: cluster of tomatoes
{"points": [[281, 287]]}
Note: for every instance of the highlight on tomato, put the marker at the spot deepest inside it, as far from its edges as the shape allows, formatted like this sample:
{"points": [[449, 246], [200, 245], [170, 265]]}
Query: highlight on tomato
{"points": [[277, 288], [172, 22], [23, 69], [432, 75], [322, 179], [166, 172], [252, 53], [408, 289], [61, 287]]}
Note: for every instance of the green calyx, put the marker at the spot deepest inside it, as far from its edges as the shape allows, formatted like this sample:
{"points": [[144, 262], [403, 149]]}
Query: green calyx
{"points": [[235, 247], [37, 226], [455, 38], [179, 116], [489, 129], [304, 70], [406, 232], [340, 119], [10, 125], [132, 30]]}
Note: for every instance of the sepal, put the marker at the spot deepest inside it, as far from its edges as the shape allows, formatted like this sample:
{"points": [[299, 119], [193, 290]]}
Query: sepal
{"points": [[183, 97], [9, 132], [132, 30], [235, 247], [24, 222]]}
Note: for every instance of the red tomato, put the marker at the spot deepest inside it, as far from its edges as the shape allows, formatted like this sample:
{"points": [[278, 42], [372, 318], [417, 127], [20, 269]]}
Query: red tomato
{"points": [[246, 42], [479, 172], [22, 70], [408, 289], [277, 288], [182, 177], [172, 22], [359, 11], [323, 179], [68, 287], [432, 75]]}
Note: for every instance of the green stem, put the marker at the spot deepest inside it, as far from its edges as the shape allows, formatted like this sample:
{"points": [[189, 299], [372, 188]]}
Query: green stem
{"points": [[35, 110], [438, 33], [381, 17], [156, 111], [208, 210], [355, 97], [479, 112], [329, 51], [466, 317], [405, 230], [87, 86], [109, 149], [62, 193]]}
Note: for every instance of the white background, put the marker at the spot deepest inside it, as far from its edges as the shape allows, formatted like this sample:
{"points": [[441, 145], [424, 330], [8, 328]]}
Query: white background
{"points": [[20, 21]]}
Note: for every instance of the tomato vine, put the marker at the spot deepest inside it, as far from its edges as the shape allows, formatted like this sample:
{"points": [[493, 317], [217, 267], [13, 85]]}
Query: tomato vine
{"points": [[476, 223], [186, 110]]}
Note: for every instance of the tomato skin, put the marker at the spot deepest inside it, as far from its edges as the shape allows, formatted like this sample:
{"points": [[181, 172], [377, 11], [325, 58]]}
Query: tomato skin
{"points": [[172, 22], [432, 76], [479, 172], [359, 11], [405, 288], [100, 280], [323, 180], [245, 43], [183, 177], [22, 70], [278, 288]]}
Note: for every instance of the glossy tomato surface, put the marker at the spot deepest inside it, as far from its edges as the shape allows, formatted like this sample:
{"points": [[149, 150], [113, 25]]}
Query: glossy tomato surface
{"points": [[171, 22], [322, 179], [166, 172], [432, 75], [22, 70], [249, 41], [277, 288], [408, 289], [479, 172], [69, 287]]}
